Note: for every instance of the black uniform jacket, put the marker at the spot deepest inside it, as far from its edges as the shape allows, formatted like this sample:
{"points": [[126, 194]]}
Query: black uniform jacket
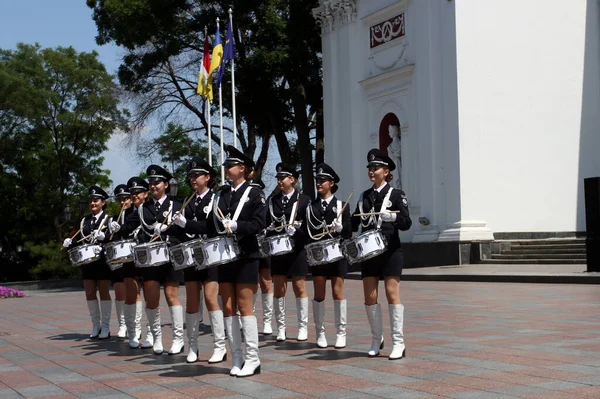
{"points": [[278, 210], [173, 233], [250, 222], [87, 230], [317, 216], [388, 229], [197, 217], [131, 221]]}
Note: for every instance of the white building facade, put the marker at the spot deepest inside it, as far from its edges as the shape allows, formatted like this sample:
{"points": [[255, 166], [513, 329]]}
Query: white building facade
{"points": [[490, 107]]}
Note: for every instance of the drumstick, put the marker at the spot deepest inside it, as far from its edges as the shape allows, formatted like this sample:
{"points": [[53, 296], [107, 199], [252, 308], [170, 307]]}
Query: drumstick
{"points": [[335, 220], [344, 207], [222, 218], [91, 234], [374, 213], [118, 218], [77, 232], [185, 204]]}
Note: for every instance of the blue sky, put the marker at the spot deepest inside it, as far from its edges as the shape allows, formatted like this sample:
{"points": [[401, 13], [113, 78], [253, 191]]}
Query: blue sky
{"points": [[53, 23]]}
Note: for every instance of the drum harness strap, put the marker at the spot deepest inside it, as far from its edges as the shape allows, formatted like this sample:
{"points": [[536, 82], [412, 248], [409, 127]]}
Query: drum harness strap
{"points": [[371, 218], [153, 225], [281, 220], [206, 211], [91, 238], [323, 225], [238, 210]]}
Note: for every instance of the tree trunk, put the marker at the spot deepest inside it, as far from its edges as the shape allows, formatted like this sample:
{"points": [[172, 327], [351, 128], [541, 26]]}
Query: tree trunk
{"points": [[320, 139], [303, 131]]}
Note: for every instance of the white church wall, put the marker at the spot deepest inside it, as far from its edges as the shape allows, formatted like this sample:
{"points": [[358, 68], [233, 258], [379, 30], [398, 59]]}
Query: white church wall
{"points": [[520, 67]]}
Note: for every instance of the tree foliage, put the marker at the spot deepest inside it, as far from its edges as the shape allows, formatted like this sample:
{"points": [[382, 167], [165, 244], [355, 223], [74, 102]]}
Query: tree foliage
{"points": [[58, 109], [278, 69]]}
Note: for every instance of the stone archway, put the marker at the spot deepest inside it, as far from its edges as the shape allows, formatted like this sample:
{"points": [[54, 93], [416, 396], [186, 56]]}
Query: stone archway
{"points": [[390, 142]]}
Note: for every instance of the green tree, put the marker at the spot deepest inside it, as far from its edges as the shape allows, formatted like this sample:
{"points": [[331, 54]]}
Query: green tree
{"points": [[58, 109], [176, 148], [278, 69]]}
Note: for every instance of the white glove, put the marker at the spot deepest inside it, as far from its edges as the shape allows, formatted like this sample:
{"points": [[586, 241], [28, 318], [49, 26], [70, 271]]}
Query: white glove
{"points": [[159, 228], [387, 216], [232, 225], [114, 226], [67, 242], [180, 220], [336, 225], [290, 230], [99, 236]]}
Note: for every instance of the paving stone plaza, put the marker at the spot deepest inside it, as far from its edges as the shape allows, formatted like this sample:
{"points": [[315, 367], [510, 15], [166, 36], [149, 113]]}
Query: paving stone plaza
{"points": [[464, 340]]}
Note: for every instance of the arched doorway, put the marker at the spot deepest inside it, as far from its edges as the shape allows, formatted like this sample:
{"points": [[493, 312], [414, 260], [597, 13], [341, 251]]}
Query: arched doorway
{"points": [[390, 142]]}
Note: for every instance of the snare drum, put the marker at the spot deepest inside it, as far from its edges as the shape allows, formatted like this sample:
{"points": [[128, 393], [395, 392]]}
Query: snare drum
{"points": [[84, 254], [185, 254], [322, 252], [151, 254], [276, 245], [119, 251], [365, 246], [217, 251]]}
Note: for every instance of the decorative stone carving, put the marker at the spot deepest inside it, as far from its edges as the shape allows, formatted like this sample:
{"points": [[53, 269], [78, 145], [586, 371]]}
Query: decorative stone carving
{"points": [[335, 13]]}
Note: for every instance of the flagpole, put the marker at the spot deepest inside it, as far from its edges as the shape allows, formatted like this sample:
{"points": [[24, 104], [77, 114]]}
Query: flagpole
{"points": [[207, 111], [221, 128], [208, 119], [233, 84]]}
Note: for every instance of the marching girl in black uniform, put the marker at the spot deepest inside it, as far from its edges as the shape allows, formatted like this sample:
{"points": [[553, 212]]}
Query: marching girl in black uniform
{"points": [[155, 216], [121, 193], [202, 178], [392, 206], [126, 227], [240, 209], [96, 275], [323, 222], [265, 282], [286, 211]]}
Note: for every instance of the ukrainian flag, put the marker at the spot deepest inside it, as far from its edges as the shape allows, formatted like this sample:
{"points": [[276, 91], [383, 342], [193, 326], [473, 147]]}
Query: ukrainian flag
{"points": [[215, 62]]}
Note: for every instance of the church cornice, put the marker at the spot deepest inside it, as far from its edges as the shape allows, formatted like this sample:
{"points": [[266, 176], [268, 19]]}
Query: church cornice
{"points": [[333, 14]]}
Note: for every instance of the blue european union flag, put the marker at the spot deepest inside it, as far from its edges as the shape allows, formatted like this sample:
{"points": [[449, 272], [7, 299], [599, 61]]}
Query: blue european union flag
{"points": [[227, 53]]}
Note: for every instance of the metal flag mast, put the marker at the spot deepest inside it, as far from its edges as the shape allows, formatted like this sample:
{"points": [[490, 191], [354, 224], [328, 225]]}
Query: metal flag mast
{"points": [[233, 82]]}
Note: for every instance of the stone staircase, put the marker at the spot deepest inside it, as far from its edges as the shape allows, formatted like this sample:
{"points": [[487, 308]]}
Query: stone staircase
{"points": [[540, 251]]}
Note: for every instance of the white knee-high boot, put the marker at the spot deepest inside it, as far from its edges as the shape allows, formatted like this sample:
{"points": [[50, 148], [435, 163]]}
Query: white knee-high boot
{"points": [[129, 314], [94, 309], [119, 307], [397, 324], [319, 316], [191, 325], [218, 330], [106, 312], [235, 344], [280, 318], [339, 308], [302, 315], [374, 316], [267, 308], [251, 360], [154, 322], [177, 320]]}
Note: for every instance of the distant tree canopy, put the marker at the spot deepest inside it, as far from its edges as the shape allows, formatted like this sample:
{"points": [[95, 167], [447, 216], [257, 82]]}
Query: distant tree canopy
{"points": [[58, 109], [278, 69]]}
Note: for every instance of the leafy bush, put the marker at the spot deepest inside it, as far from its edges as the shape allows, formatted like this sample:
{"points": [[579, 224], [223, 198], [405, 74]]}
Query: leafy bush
{"points": [[50, 261]]}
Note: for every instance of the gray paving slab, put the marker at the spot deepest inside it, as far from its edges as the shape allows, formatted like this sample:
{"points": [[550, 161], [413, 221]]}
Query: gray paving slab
{"points": [[346, 395], [252, 388], [480, 395], [371, 375], [392, 392], [41, 391], [10, 394], [558, 385]]}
